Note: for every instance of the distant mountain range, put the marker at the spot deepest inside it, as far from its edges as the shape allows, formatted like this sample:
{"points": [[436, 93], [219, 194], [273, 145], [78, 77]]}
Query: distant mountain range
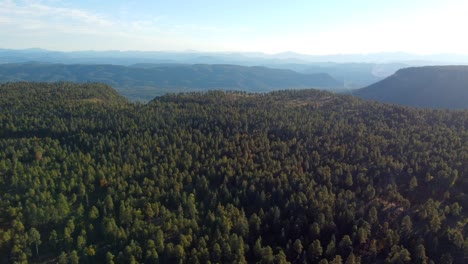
{"points": [[352, 70], [431, 87], [239, 58], [145, 81], [141, 75]]}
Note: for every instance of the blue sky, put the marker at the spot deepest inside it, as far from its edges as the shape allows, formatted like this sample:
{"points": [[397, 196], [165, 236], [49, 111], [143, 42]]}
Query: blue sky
{"points": [[270, 26]]}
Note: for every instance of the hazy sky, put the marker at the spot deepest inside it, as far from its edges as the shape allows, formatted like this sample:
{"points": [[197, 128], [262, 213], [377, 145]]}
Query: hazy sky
{"points": [[270, 26]]}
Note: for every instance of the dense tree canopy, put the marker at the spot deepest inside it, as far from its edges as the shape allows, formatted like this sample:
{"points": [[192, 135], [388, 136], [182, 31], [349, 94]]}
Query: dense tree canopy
{"points": [[290, 176]]}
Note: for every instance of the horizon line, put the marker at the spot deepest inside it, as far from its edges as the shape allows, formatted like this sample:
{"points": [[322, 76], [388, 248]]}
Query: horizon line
{"points": [[241, 52]]}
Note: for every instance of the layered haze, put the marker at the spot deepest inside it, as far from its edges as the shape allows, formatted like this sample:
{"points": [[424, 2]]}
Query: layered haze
{"points": [[309, 27]]}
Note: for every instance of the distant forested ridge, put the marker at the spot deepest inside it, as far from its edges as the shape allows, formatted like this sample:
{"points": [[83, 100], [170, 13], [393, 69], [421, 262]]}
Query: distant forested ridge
{"points": [[351, 71], [430, 87], [145, 81], [295, 176]]}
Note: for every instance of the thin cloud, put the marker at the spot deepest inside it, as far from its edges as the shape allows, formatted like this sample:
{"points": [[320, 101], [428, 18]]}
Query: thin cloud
{"points": [[49, 24], [69, 26], [17, 12]]}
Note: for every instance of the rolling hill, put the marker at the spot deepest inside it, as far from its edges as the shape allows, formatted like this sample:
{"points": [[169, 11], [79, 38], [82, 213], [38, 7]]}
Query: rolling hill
{"points": [[295, 176], [352, 71], [144, 82], [430, 87]]}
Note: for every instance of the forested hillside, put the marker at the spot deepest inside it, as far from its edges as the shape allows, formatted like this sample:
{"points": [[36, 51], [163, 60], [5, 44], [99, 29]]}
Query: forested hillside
{"points": [[430, 87], [145, 81], [290, 176]]}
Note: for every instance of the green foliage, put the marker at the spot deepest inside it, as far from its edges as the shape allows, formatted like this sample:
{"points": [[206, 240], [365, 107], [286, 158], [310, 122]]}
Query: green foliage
{"points": [[290, 176]]}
